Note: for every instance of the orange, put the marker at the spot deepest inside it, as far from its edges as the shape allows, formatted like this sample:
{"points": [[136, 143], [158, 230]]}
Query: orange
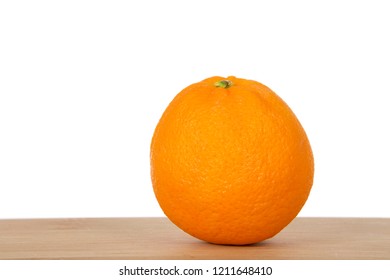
{"points": [[230, 162]]}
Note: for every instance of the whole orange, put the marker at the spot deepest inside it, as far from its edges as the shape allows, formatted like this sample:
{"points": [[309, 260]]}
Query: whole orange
{"points": [[230, 162]]}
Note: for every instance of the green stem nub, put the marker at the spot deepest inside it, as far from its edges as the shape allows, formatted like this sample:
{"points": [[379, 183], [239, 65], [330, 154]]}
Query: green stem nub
{"points": [[224, 84]]}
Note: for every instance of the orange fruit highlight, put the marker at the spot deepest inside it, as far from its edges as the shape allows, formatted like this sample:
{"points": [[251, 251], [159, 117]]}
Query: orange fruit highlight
{"points": [[230, 162]]}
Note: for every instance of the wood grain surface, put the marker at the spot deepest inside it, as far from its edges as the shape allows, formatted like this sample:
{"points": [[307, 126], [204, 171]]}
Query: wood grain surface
{"points": [[158, 238]]}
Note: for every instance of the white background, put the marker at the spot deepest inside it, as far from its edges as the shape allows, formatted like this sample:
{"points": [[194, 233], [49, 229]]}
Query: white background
{"points": [[109, 269], [84, 83]]}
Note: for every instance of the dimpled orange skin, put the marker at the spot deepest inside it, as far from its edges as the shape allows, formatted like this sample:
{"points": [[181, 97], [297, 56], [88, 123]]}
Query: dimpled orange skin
{"points": [[230, 165]]}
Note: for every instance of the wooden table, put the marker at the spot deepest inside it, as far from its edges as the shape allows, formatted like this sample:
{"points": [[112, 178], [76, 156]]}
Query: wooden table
{"points": [[157, 238]]}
